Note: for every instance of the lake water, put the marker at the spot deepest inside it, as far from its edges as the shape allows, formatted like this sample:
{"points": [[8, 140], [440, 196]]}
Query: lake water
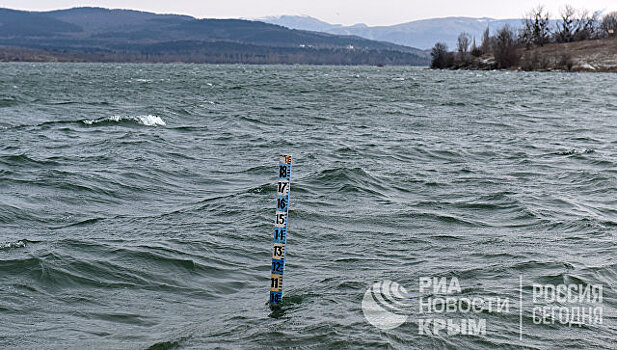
{"points": [[137, 203]]}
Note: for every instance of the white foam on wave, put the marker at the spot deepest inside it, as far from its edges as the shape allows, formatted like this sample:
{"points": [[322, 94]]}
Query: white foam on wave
{"points": [[151, 120], [147, 120], [16, 244]]}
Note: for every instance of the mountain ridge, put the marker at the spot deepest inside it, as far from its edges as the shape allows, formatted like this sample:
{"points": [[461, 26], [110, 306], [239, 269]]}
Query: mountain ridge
{"points": [[423, 33], [89, 29]]}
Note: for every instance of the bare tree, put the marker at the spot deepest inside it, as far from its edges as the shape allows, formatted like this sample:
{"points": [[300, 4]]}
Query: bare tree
{"points": [[506, 53], [536, 27], [486, 41], [463, 43], [567, 26], [475, 50], [586, 25], [609, 24]]}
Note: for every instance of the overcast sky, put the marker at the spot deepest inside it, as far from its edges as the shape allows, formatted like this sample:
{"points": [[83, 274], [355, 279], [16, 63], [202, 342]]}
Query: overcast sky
{"points": [[374, 12]]}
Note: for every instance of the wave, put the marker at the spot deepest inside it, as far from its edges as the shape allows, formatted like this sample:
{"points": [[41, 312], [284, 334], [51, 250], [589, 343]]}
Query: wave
{"points": [[575, 151], [9, 101], [16, 244], [24, 159], [147, 120], [345, 179]]}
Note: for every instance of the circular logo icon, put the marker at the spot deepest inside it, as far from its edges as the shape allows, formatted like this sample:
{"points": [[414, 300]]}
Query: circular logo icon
{"points": [[386, 304]]}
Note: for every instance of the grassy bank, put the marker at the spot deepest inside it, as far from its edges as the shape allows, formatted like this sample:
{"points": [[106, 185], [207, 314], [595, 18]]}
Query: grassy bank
{"points": [[582, 56], [589, 55]]}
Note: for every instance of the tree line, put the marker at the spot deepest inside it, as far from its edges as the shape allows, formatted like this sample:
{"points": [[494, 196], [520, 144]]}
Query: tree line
{"points": [[213, 52], [504, 46]]}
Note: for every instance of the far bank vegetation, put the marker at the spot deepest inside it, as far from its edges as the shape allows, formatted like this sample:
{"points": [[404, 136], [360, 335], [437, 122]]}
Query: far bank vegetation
{"points": [[578, 40]]}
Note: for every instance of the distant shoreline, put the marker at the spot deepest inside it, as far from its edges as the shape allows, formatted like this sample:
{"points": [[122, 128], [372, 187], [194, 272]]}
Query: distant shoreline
{"points": [[285, 56], [584, 56]]}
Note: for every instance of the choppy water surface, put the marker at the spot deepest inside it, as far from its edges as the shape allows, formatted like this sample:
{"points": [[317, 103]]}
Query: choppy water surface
{"points": [[137, 201]]}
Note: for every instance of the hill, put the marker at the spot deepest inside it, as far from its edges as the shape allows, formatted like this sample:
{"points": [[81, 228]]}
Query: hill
{"points": [[422, 34], [99, 34], [301, 22]]}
